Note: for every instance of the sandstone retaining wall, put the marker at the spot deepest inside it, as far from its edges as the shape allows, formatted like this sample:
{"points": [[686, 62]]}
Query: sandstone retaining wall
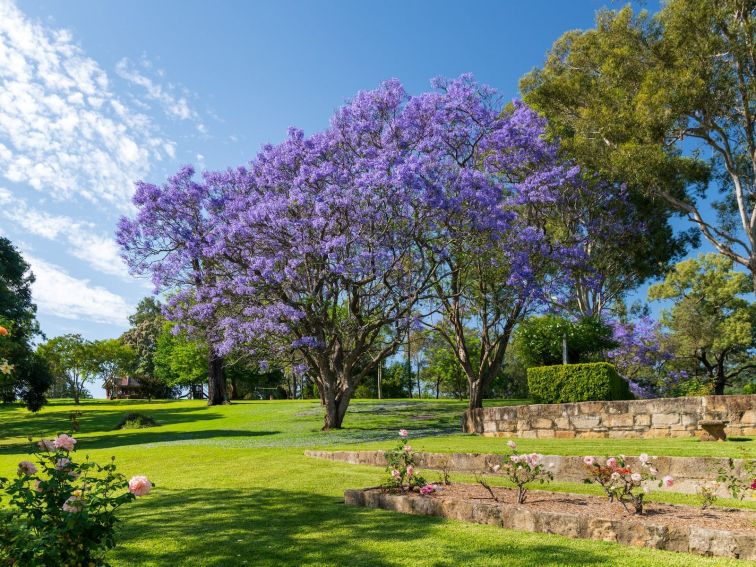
{"points": [[661, 417], [691, 539]]}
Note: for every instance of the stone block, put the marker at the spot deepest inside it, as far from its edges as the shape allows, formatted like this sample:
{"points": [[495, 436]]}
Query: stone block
{"points": [[643, 419], [665, 419], [748, 418], [618, 420], [591, 408], [585, 421], [542, 423]]}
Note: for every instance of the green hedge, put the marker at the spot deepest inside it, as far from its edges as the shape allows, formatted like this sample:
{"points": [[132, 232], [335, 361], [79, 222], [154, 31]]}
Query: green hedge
{"points": [[576, 383]]}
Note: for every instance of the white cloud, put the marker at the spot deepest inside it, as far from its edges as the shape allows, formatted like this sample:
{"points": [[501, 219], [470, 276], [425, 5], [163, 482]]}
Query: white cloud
{"points": [[62, 129], [83, 241], [57, 293], [175, 106]]}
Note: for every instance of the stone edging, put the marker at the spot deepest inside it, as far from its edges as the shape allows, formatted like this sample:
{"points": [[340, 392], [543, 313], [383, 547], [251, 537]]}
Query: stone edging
{"points": [[691, 539], [688, 472]]}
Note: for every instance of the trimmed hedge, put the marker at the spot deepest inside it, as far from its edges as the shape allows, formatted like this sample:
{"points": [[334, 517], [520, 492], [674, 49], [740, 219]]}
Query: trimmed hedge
{"points": [[566, 383]]}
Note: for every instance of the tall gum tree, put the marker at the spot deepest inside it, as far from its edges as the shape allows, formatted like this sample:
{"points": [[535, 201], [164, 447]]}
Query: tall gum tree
{"points": [[666, 104]]}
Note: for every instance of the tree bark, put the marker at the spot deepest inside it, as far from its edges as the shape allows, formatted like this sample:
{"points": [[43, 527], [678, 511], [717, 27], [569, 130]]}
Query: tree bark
{"points": [[216, 384], [720, 380], [234, 390], [336, 407], [476, 394]]}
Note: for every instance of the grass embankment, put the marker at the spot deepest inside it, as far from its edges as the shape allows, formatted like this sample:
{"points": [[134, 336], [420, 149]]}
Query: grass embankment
{"points": [[233, 487]]}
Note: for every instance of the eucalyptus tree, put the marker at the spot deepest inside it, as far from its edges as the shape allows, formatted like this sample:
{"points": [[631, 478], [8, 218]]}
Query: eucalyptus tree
{"points": [[665, 104]]}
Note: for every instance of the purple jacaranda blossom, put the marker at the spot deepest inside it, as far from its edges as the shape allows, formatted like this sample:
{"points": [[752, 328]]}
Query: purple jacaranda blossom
{"points": [[639, 349], [168, 239], [331, 247]]}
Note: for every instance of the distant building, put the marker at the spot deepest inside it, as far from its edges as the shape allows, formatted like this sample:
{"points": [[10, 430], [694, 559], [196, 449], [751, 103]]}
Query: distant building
{"points": [[124, 388]]}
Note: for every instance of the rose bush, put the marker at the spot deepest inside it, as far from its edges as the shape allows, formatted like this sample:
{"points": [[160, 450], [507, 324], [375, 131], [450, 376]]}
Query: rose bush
{"points": [[61, 512], [523, 469], [401, 466], [622, 483]]}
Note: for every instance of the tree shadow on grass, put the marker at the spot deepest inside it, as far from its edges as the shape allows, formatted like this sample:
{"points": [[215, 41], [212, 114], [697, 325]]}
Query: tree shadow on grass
{"points": [[142, 437], [50, 423], [268, 527]]}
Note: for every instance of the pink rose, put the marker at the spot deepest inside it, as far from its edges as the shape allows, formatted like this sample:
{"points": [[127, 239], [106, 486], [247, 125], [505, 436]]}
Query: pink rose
{"points": [[65, 442], [643, 458], [590, 461], [46, 445], [511, 444], [611, 462], [636, 477], [407, 448], [668, 481], [403, 433], [37, 486], [428, 489], [410, 470], [26, 468], [653, 471], [62, 464], [396, 474], [534, 459], [73, 504], [140, 485]]}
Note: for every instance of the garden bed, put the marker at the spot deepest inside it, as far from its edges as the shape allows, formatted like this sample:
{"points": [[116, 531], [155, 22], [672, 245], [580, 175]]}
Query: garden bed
{"points": [[716, 532], [688, 472]]}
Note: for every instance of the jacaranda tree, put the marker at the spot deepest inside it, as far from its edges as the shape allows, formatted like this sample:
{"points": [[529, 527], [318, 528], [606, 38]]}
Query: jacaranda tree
{"points": [[167, 240], [333, 247], [318, 254], [490, 181]]}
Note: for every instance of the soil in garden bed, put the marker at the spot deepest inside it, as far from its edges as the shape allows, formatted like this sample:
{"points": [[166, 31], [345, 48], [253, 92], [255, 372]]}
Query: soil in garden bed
{"points": [[600, 508]]}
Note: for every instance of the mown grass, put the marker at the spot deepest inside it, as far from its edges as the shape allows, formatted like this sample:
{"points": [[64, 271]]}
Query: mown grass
{"points": [[234, 488]]}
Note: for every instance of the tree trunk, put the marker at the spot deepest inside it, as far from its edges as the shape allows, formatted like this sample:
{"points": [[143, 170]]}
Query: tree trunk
{"points": [[216, 384], [476, 394], [336, 407], [720, 381], [234, 390]]}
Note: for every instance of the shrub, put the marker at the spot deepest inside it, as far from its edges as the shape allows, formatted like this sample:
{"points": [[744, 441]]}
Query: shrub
{"points": [[538, 340], [738, 482], [623, 484], [136, 421], [576, 383], [521, 470], [401, 466], [60, 512]]}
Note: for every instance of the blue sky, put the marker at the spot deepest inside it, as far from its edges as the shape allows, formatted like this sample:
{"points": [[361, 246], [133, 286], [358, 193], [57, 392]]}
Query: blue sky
{"points": [[95, 95]]}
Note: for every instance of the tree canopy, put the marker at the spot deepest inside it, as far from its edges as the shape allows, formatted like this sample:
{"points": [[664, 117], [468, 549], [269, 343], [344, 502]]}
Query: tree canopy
{"points": [[664, 104]]}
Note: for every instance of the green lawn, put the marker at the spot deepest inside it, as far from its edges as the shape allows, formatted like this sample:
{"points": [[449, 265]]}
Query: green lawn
{"points": [[233, 487]]}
